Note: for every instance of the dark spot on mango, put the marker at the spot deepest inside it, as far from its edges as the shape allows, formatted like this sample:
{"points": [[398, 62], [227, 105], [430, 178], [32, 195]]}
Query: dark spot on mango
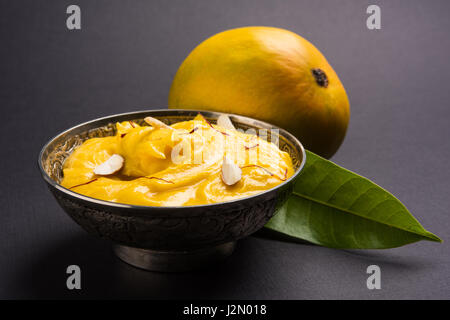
{"points": [[321, 77]]}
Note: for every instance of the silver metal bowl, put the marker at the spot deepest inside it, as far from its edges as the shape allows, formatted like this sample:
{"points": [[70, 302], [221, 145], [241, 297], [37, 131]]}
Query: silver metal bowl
{"points": [[166, 238]]}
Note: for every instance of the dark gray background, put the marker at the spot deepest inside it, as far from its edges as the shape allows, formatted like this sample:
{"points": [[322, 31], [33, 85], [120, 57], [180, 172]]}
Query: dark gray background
{"points": [[124, 59]]}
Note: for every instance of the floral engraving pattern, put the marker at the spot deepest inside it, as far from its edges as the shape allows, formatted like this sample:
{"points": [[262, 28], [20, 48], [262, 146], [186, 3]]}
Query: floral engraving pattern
{"points": [[210, 227]]}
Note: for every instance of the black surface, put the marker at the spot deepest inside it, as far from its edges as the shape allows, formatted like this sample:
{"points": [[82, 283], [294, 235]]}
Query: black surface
{"points": [[124, 58]]}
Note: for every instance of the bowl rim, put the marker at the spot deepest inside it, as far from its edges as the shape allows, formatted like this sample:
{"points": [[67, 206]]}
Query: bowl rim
{"points": [[96, 201]]}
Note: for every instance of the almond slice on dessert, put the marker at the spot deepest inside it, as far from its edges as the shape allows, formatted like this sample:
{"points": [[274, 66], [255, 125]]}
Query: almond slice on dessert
{"points": [[157, 123], [231, 173], [225, 122], [110, 166]]}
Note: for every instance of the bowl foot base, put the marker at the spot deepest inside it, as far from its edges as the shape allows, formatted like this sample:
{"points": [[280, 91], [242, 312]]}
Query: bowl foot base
{"points": [[173, 261]]}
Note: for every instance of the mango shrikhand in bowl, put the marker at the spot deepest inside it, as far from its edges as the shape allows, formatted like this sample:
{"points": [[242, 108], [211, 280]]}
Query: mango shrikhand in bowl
{"points": [[173, 189], [187, 163]]}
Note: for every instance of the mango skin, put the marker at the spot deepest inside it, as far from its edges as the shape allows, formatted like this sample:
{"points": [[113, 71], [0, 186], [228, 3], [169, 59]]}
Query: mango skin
{"points": [[266, 73]]}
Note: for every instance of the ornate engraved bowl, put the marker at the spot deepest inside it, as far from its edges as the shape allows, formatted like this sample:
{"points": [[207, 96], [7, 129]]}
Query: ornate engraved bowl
{"points": [[166, 238]]}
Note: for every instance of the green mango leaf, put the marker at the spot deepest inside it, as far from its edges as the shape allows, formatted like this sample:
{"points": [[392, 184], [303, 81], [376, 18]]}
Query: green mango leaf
{"points": [[334, 207]]}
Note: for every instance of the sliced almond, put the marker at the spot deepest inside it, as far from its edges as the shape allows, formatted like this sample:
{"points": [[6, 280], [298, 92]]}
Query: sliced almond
{"points": [[157, 123], [225, 122], [231, 173], [110, 166]]}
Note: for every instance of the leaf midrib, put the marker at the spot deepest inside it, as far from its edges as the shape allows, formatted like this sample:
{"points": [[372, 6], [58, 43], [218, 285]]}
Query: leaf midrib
{"points": [[356, 214]]}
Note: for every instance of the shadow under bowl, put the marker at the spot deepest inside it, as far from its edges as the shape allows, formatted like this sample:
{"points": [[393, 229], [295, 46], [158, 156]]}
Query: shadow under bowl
{"points": [[166, 238]]}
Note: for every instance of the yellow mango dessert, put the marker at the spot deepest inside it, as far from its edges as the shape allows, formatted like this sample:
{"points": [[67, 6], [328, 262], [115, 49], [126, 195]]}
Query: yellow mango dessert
{"points": [[188, 163]]}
